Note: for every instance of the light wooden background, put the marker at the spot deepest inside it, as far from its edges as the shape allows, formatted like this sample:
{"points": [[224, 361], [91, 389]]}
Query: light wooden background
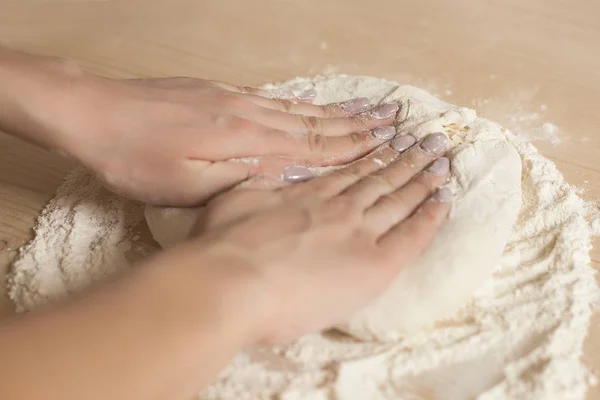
{"points": [[522, 62]]}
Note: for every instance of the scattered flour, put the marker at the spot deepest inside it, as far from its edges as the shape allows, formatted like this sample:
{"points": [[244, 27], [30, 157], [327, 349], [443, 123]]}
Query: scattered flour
{"points": [[520, 337], [84, 234], [550, 132], [518, 113]]}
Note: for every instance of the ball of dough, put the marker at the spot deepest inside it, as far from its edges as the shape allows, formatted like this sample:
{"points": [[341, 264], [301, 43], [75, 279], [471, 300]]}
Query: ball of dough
{"points": [[462, 255]]}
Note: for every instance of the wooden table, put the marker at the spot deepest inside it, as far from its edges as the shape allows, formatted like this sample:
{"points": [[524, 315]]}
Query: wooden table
{"points": [[510, 59]]}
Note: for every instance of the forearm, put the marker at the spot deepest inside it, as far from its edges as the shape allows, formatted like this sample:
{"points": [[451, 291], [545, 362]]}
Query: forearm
{"points": [[150, 335], [36, 95]]}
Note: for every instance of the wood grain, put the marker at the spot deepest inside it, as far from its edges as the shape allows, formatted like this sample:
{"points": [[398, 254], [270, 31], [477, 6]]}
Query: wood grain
{"points": [[506, 58]]}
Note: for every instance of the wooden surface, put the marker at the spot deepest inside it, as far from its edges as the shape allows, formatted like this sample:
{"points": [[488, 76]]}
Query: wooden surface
{"points": [[522, 63]]}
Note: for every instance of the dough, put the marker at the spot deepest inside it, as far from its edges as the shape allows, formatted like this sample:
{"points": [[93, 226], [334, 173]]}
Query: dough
{"points": [[486, 181], [170, 225], [461, 257]]}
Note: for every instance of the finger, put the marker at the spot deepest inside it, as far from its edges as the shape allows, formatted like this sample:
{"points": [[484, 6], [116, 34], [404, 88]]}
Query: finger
{"points": [[262, 182], [231, 207], [394, 207], [260, 141], [400, 172], [420, 228], [258, 195], [334, 183], [319, 126], [334, 110], [255, 140], [203, 181], [241, 89], [303, 95], [290, 175]]}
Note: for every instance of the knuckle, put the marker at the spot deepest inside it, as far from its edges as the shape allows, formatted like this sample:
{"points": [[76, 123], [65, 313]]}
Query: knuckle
{"points": [[385, 181], [403, 170], [392, 201], [359, 123], [357, 138], [331, 110], [383, 156], [312, 124], [416, 160], [284, 105], [318, 143], [247, 89]]}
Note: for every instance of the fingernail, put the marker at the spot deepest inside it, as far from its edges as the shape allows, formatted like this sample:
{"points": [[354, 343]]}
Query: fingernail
{"points": [[384, 132], [402, 143], [355, 106], [441, 166], [297, 173], [385, 111], [435, 143], [307, 94], [443, 195]]}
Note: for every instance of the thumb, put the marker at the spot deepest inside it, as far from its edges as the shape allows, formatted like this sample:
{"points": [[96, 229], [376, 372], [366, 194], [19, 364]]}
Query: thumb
{"points": [[203, 181]]}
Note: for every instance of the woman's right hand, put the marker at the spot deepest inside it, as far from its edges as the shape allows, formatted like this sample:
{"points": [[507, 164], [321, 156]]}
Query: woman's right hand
{"points": [[319, 251]]}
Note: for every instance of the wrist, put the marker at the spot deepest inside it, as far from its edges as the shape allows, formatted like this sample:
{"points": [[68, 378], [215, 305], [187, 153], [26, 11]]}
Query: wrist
{"points": [[218, 291], [37, 97]]}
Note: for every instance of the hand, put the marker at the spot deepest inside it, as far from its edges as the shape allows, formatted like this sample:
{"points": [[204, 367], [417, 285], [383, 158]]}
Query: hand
{"points": [[178, 141], [323, 249]]}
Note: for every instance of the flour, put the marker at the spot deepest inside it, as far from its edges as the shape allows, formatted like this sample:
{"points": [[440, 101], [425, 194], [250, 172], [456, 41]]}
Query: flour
{"points": [[520, 336], [83, 235]]}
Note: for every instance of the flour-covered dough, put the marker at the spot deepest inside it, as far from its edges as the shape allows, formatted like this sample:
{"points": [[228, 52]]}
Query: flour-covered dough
{"points": [[486, 180], [464, 252]]}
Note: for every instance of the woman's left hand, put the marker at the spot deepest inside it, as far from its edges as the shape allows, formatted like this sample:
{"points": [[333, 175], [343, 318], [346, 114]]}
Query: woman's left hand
{"points": [[179, 141]]}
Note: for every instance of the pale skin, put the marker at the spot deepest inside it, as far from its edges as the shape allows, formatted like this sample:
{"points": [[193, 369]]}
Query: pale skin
{"points": [[165, 329]]}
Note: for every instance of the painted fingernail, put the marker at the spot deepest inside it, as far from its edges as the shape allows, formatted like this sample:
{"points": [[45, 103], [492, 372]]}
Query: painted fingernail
{"points": [[307, 94], [435, 143], [443, 195], [355, 106], [384, 132], [441, 166], [385, 111], [297, 173], [402, 143]]}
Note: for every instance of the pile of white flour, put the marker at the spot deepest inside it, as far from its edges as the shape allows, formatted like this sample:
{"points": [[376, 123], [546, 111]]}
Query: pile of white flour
{"points": [[520, 337]]}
